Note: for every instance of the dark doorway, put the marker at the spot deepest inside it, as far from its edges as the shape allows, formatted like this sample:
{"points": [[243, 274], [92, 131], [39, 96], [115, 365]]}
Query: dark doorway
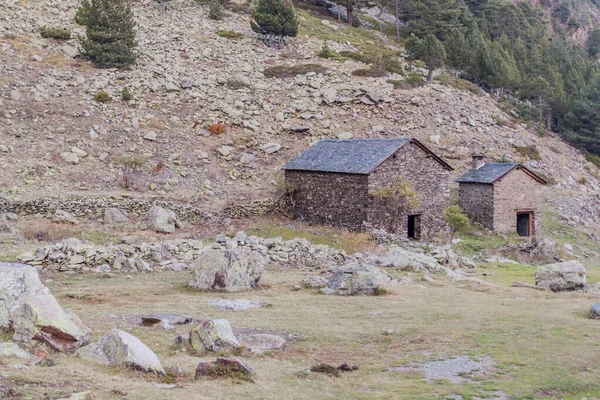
{"points": [[524, 223], [414, 227]]}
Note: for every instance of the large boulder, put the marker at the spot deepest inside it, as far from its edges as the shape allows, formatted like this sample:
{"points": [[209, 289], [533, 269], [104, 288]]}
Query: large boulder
{"points": [[161, 220], [31, 311], [122, 348], [213, 335], [568, 275], [595, 311], [227, 270], [352, 279], [12, 350], [115, 216]]}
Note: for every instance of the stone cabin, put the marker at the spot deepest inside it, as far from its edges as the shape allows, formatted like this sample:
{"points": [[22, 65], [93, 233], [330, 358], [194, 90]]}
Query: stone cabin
{"points": [[334, 180], [502, 197]]}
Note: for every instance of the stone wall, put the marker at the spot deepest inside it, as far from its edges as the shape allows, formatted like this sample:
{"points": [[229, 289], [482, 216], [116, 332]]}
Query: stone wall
{"points": [[94, 207], [339, 200], [428, 177], [517, 191], [476, 199]]}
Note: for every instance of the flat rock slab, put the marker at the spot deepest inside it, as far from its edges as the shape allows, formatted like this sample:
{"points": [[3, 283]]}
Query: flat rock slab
{"points": [[261, 342], [564, 276], [454, 370], [171, 318], [231, 304]]}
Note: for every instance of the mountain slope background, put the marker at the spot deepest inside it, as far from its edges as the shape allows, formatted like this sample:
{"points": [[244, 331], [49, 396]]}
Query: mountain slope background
{"points": [[188, 76]]}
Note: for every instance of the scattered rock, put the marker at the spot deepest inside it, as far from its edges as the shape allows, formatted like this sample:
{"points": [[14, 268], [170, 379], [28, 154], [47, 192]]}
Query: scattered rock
{"points": [[595, 311], [230, 304], [227, 270], [224, 367], [65, 217], [271, 148], [115, 216], [69, 157], [261, 342], [171, 318], [355, 279], [161, 220], [564, 276], [150, 136], [122, 348], [81, 396], [213, 335]]}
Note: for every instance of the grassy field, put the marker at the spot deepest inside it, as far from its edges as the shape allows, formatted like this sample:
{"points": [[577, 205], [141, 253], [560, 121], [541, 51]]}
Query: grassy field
{"points": [[543, 344]]}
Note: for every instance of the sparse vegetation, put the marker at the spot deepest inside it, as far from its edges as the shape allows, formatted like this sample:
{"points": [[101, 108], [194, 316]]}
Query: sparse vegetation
{"points": [[126, 94], [217, 128], [370, 72], [130, 165], [459, 84], [215, 11], [397, 199], [593, 158], [102, 97], [274, 20], [326, 51], [456, 219], [55, 33], [283, 71], [230, 34], [530, 151]]}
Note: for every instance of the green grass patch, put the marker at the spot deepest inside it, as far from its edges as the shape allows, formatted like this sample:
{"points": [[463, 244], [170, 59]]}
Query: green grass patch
{"points": [[459, 84], [50, 32], [230, 34]]}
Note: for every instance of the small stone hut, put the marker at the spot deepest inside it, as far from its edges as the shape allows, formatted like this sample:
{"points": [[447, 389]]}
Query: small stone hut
{"points": [[333, 183], [502, 197]]}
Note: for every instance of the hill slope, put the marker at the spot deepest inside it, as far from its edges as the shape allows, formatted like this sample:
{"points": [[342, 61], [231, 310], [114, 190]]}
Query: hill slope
{"points": [[188, 77]]}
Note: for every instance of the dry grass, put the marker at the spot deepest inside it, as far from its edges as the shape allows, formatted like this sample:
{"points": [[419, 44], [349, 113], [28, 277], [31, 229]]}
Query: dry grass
{"points": [[542, 342], [284, 71]]}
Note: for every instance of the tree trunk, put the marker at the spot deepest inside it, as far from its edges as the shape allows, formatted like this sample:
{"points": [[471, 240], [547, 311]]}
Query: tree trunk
{"points": [[398, 21], [339, 14], [430, 75], [349, 11], [549, 119]]}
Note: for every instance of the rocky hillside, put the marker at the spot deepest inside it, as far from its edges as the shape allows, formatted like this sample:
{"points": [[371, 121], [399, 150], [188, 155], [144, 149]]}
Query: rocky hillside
{"points": [[55, 140]]}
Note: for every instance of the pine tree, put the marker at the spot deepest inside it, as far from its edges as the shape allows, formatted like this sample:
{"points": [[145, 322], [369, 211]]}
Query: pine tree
{"points": [[275, 19], [457, 55], [432, 52], [593, 43], [503, 73], [412, 46], [110, 33]]}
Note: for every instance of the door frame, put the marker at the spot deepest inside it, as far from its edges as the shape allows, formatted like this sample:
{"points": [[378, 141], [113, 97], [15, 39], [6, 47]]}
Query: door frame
{"points": [[416, 218], [530, 226]]}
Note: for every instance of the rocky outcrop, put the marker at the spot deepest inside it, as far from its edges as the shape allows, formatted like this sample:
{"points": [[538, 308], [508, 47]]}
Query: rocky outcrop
{"points": [[31, 311], [121, 348], [564, 276], [227, 270]]}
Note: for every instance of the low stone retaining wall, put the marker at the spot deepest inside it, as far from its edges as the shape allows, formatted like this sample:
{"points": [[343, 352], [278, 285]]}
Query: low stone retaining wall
{"points": [[94, 207]]}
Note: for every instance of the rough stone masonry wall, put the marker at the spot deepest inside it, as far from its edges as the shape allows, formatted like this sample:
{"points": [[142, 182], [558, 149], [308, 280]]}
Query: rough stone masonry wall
{"points": [[476, 199], [94, 207], [339, 200], [515, 192], [430, 180]]}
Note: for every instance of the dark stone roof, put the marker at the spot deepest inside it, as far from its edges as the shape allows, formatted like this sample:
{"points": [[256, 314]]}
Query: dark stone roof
{"points": [[487, 173], [352, 156]]}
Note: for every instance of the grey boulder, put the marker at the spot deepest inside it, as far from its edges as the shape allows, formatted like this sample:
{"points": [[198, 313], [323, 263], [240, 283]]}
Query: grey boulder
{"points": [[227, 270], [161, 220], [352, 279], [213, 335], [31, 311], [12, 350], [595, 311], [115, 216], [564, 276], [122, 348]]}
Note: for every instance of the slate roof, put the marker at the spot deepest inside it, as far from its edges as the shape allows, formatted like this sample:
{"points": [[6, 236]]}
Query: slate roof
{"points": [[491, 172], [351, 156]]}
